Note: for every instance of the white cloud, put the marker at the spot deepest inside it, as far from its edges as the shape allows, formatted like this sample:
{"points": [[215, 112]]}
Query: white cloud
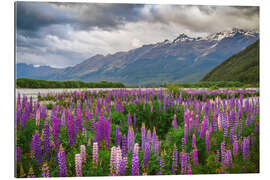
{"points": [[62, 45]]}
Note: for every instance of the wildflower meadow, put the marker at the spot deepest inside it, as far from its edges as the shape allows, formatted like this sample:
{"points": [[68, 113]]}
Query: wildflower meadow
{"points": [[136, 132]]}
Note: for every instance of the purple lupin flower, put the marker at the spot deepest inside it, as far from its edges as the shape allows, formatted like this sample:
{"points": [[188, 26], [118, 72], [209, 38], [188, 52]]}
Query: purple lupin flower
{"points": [[97, 132], [86, 115], [55, 131], [247, 123], [183, 160], [43, 112], [149, 136], [189, 169], [186, 133], [45, 170], [223, 151], [253, 140], [174, 122], [245, 147], [131, 140], [146, 155], [195, 156], [122, 168], [190, 125], [135, 162], [129, 120], [62, 162], [104, 130], [231, 135], [228, 158], [117, 136], [124, 146], [256, 127], [207, 140], [46, 140], [226, 128], [154, 139], [78, 165], [193, 140], [18, 114], [183, 143], [63, 118], [217, 156], [143, 131], [197, 123], [235, 147], [134, 122], [92, 122], [161, 164], [174, 159], [36, 143], [203, 127], [78, 120], [18, 154], [25, 116], [71, 130]]}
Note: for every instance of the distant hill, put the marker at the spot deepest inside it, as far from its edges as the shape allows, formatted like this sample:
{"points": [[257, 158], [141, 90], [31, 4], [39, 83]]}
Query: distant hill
{"points": [[242, 67], [185, 59]]}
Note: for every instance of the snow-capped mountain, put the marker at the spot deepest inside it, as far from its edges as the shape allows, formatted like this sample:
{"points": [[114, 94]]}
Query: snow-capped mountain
{"points": [[227, 34], [184, 59]]}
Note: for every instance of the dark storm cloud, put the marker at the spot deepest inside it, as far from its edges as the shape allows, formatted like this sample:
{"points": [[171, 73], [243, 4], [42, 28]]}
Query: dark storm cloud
{"points": [[31, 16], [63, 34]]}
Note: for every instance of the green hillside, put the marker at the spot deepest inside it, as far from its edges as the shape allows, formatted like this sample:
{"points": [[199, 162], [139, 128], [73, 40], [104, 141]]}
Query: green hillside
{"points": [[242, 67]]}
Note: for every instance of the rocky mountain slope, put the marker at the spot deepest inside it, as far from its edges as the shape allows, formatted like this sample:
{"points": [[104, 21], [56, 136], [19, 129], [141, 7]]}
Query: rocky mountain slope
{"points": [[185, 59]]}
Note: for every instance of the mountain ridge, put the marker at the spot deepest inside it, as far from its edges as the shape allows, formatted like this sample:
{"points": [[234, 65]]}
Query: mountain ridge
{"points": [[184, 59]]}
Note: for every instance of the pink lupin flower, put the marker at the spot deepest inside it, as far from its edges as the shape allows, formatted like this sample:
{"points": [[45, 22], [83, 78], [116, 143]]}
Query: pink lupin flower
{"points": [[174, 122], [113, 160], [219, 122], [95, 153], [83, 153], [63, 118], [38, 117], [118, 159], [78, 165]]}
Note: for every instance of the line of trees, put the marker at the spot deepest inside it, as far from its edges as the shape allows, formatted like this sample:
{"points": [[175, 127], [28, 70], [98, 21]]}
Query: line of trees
{"points": [[33, 83], [209, 84]]}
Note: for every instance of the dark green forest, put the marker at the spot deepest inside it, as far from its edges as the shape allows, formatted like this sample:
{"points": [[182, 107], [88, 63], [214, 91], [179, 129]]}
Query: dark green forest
{"points": [[32, 83], [242, 67]]}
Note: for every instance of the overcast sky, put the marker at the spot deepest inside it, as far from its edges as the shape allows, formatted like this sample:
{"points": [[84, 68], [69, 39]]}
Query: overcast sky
{"points": [[65, 34]]}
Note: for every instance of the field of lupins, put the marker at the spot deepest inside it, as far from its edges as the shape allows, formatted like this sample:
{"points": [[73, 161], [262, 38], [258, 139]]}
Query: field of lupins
{"points": [[137, 132]]}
